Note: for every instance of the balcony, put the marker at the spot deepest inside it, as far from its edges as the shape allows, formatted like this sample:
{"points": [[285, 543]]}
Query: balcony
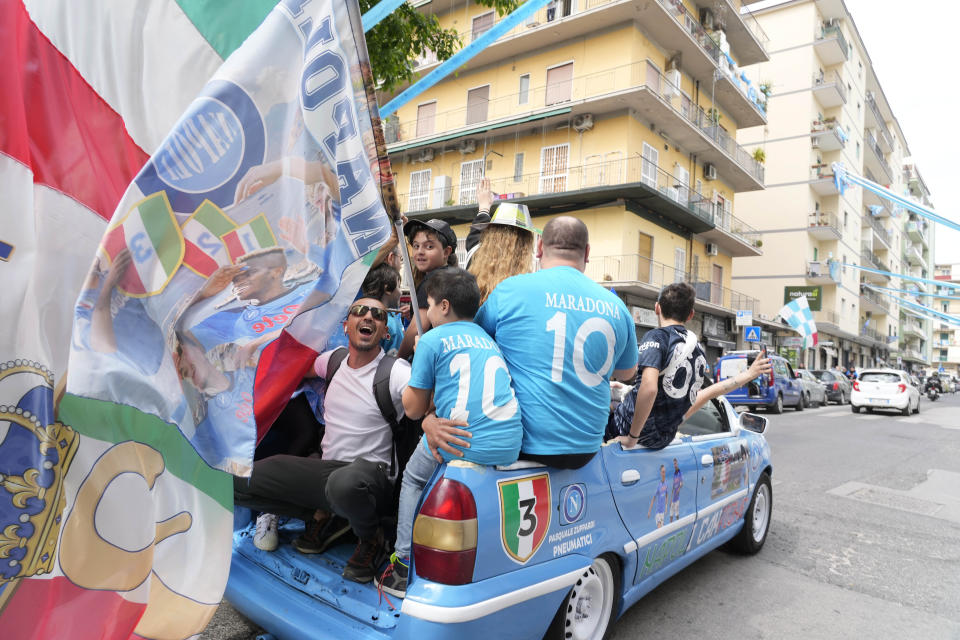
{"points": [[829, 89], [822, 271], [826, 317], [872, 334], [733, 235], [869, 259], [822, 180], [913, 255], [876, 160], [639, 182], [827, 136], [873, 301], [881, 236], [745, 35], [824, 225], [638, 86], [875, 120], [675, 28], [911, 353], [912, 329], [917, 231], [831, 45], [640, 275]]}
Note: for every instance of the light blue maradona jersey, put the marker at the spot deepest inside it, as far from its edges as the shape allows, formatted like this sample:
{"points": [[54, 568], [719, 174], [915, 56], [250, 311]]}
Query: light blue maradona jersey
{"points": [[470, 381], [562, 336]]}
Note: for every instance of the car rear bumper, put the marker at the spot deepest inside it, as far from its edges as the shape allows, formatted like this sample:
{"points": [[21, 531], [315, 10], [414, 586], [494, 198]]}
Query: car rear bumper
{"points": [[860, 399]]}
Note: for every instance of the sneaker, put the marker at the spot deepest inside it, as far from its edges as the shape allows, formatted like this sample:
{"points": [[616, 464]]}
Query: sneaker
{"points": [[320, 534], [367, 557], [394, 578], [265, 537]]}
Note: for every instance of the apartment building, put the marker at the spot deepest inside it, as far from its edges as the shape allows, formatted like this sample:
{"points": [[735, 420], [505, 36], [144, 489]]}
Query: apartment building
{"points": [[946, 336], [827, 106], [619, 112]]}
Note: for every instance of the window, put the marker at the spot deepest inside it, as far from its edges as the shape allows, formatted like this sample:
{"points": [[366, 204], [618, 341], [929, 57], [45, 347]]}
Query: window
{"points": [[518, 167], [524, 95], [419, 191], [553, 168], [481, 24], [478, 100], [708, 420], [846, 219], [470, 174], [648, 169], [683, 184], [679, 264], [858, 149], [559, 83], [426, 114], [843, 305]]}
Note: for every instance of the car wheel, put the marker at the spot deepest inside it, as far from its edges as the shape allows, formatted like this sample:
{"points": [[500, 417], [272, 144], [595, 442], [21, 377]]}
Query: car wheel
{"points": [[855, 408], [756, 522], [777, 406], [590, 608], [906, 410], [917, 408], [801, 403]]}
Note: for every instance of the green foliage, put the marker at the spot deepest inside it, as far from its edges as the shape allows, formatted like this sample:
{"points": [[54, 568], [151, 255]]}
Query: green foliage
{"points": [[406, 34], [759, 155]]}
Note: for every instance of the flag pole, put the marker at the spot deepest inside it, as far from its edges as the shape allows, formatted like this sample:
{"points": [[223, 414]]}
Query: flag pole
{"points": [[408, 273]]}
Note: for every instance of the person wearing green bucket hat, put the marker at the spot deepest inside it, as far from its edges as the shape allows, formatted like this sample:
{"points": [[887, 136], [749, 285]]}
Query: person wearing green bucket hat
{"points": [[499, 246]]}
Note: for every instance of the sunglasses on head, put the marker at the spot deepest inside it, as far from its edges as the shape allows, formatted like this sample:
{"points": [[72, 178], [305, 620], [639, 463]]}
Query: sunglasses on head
{"points": [[360, 310]]}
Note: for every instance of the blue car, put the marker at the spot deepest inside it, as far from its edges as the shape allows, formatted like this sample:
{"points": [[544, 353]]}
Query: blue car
{"points": [[528, 551], [781, 388]]}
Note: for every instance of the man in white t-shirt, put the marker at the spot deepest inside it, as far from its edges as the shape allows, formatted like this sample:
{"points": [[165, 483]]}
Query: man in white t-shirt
{"points": [[351, 485]]}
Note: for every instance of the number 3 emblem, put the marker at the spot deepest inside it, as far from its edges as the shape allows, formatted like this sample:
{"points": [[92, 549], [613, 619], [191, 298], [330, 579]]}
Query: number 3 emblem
{"points": [[524, 515]]}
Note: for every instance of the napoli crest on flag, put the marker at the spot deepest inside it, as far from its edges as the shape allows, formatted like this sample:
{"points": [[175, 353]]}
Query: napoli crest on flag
{"points": [[524, 515]]}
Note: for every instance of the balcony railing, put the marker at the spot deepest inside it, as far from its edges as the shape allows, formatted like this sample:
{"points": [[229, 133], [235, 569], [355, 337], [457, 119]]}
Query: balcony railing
{"points": [[833, 31], [633, 76], [726, 221], [876, 298], [871, 259], [831, 78], [613, 172], [871, 142], [872, 334], [871, 101], [885, 236], [825, 219], [643, 270]]}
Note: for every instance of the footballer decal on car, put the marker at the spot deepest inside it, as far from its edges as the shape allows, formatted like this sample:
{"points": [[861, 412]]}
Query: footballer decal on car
{"points": [[524, 515]]}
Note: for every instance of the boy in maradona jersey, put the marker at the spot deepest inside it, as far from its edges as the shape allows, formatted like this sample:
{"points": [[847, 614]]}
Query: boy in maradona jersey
{"points": [[672, 367], [462, 367]]}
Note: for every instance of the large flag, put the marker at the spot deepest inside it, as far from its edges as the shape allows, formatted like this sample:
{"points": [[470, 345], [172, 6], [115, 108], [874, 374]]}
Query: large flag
{"points": [[116, 513], [798, 315]]}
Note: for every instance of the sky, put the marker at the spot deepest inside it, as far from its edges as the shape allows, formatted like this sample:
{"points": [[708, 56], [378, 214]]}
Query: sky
{"points": [[914, 54]]}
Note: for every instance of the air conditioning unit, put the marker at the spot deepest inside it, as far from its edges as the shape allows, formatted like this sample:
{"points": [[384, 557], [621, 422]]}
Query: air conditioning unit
{"points": [[442, 191], [813, 269], [425, 155], [815, 143], [709, 171], [467, 145], [712, 249], [583, 122]]}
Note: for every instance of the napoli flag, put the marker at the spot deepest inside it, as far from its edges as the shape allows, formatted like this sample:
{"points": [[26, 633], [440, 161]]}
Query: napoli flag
{"points": [[798, 315]]}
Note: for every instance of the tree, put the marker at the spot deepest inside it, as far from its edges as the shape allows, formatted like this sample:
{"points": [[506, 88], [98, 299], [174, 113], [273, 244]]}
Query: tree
{"points": [[406, 34]]}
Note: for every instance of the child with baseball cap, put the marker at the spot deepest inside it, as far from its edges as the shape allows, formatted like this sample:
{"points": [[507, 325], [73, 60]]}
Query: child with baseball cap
{"points": [[433, 246]]}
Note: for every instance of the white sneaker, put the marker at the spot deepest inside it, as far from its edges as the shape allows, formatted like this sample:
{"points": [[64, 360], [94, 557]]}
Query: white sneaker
{"points": [[265, 537]]}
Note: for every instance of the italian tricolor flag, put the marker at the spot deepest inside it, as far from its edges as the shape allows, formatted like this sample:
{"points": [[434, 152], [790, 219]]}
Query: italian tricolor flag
{"points": [[151, 233], [204, 252], [525, 514], [254, 235]]}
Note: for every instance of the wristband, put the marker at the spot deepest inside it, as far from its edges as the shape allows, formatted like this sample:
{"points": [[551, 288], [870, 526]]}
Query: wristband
{"points": [[633, 436]]}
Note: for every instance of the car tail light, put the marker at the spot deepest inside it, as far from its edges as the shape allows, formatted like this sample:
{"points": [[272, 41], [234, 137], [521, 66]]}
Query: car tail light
{"points": [[856, 386], [901, 388], [772, 381], [445, 534], [836, 385]]}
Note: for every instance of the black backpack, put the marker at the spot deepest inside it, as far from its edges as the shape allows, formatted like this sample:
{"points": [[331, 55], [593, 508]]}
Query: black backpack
{"points": [[406, 432]]}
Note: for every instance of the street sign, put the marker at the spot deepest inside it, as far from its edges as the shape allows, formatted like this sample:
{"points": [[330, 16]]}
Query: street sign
{"points": [[751, 334], [744, 317], [941, 369]]}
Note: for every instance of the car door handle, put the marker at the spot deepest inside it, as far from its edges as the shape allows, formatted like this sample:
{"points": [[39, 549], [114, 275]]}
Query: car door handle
{"points": [[706, 460], [630, 476]]}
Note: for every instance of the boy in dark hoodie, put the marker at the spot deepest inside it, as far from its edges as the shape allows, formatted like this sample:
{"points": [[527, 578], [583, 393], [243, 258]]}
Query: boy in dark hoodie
{"points": [[672, 369]]}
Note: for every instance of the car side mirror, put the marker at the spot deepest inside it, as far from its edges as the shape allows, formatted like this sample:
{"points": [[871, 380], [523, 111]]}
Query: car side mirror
{"points": [[753, 422]]}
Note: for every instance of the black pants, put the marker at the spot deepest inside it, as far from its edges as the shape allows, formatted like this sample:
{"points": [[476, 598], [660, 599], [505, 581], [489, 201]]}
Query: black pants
{"points": [[560, 460], [359, 491], [296, 431]]}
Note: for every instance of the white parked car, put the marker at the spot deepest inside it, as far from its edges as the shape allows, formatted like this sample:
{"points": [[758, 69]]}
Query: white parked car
{"points": [[884, 389]]}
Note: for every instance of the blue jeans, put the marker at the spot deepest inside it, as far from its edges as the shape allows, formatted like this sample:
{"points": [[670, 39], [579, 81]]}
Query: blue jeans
{"points": [[419, 468]]}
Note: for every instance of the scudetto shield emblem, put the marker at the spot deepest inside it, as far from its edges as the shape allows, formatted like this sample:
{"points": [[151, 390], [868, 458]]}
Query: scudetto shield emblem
{"points": [[524, 515]]}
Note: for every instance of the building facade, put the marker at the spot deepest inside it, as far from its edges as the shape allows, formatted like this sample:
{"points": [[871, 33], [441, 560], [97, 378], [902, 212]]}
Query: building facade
{"points": [[622, 113], [946, 336], [827, 106]]}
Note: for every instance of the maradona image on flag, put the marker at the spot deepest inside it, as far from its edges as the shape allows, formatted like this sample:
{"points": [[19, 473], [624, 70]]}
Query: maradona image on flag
{"points": [[229, 260]]}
